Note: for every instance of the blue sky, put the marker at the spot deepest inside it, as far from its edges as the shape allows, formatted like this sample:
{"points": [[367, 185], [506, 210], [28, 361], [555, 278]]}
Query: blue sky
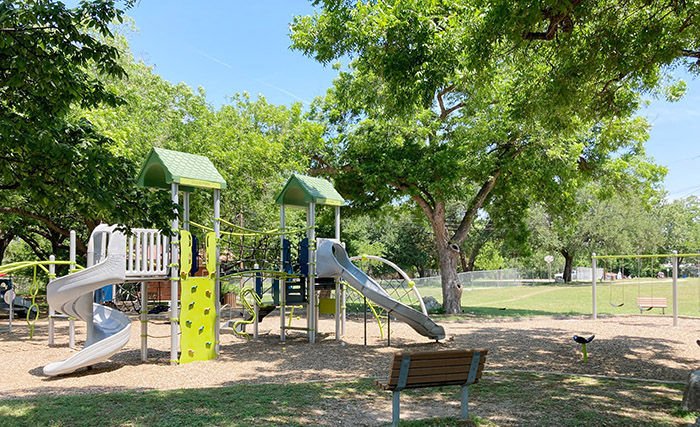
{"points": [[233, 46]]}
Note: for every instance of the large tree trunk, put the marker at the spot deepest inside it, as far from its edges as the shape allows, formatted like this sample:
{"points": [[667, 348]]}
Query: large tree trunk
{"points": [[568, 265], [448, 252], [451, 286]]}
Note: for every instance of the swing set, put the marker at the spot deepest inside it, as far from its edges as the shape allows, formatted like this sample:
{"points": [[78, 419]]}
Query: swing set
{"points": [[648, 301]]}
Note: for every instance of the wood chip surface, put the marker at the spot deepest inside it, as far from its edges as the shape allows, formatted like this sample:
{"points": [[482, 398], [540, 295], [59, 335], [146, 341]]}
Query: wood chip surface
{"points": [[645, 346]]}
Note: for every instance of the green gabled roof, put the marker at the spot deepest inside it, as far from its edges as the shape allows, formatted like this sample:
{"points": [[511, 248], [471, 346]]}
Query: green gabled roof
{"points": [[163, 167], [300, 190]]}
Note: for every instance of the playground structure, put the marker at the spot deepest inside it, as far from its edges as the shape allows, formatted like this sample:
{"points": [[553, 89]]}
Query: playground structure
{"points": [[118, 256], [647, 301]]}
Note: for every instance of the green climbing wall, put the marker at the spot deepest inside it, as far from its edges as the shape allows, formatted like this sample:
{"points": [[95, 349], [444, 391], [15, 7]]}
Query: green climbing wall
{"points": [[198, 312]]}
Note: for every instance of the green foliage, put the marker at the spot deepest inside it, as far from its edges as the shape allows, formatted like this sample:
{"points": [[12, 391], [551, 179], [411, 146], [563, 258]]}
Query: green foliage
{"points": [[496, 105], [58, 173], [489, 258]]}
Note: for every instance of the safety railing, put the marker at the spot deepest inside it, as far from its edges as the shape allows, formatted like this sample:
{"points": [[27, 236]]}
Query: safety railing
{"points": [[147, 254]]}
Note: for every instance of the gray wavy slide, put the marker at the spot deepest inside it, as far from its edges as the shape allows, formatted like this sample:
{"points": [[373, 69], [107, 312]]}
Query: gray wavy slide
{"points": [[333, 261], [72, 295]]}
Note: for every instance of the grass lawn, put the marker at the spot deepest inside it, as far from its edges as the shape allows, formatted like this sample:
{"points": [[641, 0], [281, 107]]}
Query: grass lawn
{"points": [[576, 299], [501, 398]]}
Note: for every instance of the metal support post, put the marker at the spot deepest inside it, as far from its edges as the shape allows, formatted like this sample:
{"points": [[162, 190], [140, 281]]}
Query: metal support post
{"points": [[388, 329], [174, 279], [395, 409], [144, 321], [186, 211], [71, 321], [312, 310], [595, 280], [217, 281], [365, 311], [675, 288], [337, 309], [465, 402], [283, 280]]}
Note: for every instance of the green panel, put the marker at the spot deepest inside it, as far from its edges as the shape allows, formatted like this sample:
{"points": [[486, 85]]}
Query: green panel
{"points": [[197, 319], [211, 245], [300, 190], [163, 167], [185, 252]]}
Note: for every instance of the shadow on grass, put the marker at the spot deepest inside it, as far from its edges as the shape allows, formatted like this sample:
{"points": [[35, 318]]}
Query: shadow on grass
{"points": [[499, 399]]}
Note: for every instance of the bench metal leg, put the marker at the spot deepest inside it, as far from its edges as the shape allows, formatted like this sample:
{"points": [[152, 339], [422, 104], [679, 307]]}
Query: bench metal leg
{"points": [[465, 402], [395, 409]]}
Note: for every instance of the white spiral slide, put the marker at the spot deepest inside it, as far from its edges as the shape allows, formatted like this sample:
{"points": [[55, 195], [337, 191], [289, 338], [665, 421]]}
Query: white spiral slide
{"points": [[108, 330], [333, 261]]}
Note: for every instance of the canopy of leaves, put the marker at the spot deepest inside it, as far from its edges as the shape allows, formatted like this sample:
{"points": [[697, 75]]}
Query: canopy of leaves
{"points": [[57, 172]]}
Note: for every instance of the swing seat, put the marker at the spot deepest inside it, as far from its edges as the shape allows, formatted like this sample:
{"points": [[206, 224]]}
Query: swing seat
{"points": [[647, 303], [617, 305]]}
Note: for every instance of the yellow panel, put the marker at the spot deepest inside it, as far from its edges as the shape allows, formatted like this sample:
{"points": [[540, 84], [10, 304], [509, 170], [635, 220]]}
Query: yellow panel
{"points": [[211, 253], [199, 183], [197, 319], [326, 305], [185, 252]]}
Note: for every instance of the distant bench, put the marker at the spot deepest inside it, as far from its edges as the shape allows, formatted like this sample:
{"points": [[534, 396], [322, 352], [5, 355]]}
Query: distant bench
{"points": [[647, 303], [434, 369]]}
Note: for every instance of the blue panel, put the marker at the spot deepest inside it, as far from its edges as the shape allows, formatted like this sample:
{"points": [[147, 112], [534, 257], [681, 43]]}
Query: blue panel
{"points": [[104, 294], [195, 256], [287, 256], [304, 257]]}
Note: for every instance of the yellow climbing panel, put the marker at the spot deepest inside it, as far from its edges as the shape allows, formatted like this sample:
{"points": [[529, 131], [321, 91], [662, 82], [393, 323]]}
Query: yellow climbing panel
{"points": [[198, 313]]}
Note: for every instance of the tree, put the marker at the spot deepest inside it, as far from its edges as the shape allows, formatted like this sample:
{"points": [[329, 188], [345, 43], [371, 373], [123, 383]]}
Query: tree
{"points": [[679, 221], [484, 102], [58, 173], [254, 144]]}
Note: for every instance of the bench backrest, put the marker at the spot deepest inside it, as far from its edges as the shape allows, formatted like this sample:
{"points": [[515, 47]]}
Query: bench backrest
{"points": [[649, 301], [429, 369]]}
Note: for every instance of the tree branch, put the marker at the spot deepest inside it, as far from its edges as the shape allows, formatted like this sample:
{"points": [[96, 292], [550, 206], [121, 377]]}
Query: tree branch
{"points": [[425, 206], [559, 21], [691, 53], [44, 220], [478, 201], [326, 168], [444, 112]]}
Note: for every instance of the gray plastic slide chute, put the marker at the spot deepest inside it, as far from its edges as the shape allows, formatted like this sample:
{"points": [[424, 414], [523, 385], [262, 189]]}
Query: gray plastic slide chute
{"points": [[333, 261], [72, 295]]}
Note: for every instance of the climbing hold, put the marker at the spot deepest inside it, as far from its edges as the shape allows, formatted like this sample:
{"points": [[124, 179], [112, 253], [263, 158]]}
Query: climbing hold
{"points": [[188, 323], [194, 288], [206, 310], [192, 304], [208, 343], [208, 293], [191, 352], [201, 328]]}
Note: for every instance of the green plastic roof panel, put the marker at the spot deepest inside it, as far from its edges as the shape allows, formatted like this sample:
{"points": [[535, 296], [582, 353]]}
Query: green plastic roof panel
{"points": [[300, 190], [163, 167]]}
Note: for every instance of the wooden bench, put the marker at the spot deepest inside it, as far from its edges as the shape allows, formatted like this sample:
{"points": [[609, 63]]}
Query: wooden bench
{"points": [[434, 369], [647, 303]]}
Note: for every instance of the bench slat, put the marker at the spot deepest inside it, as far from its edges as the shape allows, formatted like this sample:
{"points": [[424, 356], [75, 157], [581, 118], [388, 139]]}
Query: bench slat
{"points": [[434, 370], [429, 355], [452, 378], [396, 364]]}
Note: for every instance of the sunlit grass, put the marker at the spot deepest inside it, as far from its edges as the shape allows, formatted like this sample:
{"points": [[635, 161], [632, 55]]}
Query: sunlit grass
{"points": [[576, 299]]}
